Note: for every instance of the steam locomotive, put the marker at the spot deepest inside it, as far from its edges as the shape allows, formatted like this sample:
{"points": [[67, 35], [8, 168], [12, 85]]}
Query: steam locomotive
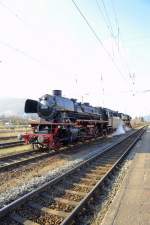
{"points": [[64, 120]]}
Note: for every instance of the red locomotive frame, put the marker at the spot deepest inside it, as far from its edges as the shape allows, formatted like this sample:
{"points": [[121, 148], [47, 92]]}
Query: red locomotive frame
{"points": [[51, 138]]}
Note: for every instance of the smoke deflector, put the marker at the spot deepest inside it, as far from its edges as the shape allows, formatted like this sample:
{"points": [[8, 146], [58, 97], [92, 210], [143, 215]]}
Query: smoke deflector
{"points": [[31, 106]]}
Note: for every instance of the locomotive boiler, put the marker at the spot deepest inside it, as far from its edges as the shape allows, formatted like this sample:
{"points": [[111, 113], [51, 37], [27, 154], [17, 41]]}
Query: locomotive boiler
{"points": [[64, 120]]}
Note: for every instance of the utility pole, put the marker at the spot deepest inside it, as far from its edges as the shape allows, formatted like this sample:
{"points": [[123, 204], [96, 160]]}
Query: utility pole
{"points": [[76, 85], [102, 85], [132, 77]]}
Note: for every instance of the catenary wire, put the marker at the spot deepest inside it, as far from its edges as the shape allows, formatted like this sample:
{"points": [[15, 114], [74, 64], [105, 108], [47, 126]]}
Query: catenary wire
{"points": [[101, 12], [119, 36], [107, 16], [118, 28], [99, 40], [19, 51]]}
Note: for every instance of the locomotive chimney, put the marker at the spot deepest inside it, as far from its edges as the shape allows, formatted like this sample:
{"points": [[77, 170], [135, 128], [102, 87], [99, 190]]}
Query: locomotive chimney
{"points": [[57, 93]]}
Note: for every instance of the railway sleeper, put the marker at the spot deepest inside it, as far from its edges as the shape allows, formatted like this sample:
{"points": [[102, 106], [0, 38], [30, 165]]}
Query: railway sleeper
{"points": [[59, 199], [21, 220], [48, 210]]}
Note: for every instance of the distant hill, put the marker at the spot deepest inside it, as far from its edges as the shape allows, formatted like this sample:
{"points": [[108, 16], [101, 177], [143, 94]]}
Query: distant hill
{"points": [[12, 106]]}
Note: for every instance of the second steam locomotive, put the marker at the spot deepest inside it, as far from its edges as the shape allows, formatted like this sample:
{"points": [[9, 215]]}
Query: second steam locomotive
{"points": [[64, 121]]}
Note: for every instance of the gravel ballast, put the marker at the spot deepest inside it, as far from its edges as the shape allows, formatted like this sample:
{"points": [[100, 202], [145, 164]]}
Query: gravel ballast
{"points": [[19, 181]]}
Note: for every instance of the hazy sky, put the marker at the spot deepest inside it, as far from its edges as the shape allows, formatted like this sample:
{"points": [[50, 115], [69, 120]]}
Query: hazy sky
{"points": [[46, 45]]}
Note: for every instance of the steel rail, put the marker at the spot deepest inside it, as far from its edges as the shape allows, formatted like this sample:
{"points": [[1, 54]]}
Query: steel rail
{"points": [[68, 220], [65, 149], [4, 160], [17, 155], [11, 144], [17, 161], [12, 161], [24, 199], [8, 137]]}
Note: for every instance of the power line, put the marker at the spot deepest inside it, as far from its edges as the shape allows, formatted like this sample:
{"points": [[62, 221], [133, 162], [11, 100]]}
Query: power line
{"points": [[98, 38], [117, 22], [118, 30], [9, 45], [20, 51], [115, 14], [101, 12], [108, 24], [15, 48], [119, 37], [12, 12], [19, 18], [109, 21], [106, 13]]}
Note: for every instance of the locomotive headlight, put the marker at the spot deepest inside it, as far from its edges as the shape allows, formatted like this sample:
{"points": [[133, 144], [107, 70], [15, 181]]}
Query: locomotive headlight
{"points": [[40, 139]]}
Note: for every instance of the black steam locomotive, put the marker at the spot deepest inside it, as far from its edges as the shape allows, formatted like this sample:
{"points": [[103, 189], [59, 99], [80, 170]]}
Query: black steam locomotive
{"points": [[65, 120]]}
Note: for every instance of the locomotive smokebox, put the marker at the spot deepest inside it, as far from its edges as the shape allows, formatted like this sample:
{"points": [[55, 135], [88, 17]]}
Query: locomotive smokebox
{"points": [[57, 93]]}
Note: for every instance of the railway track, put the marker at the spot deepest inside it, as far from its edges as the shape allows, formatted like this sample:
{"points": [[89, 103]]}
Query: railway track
{"points": [[65, 198], [14, 160], [8, 137], [11, 144]]}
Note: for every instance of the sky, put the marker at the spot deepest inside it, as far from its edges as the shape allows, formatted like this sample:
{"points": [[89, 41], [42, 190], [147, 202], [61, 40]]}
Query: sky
{"points": [[47, 45]]}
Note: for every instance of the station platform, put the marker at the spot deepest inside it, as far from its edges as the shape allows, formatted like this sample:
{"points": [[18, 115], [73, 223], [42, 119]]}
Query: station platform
{"points": [[131, 205]]}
